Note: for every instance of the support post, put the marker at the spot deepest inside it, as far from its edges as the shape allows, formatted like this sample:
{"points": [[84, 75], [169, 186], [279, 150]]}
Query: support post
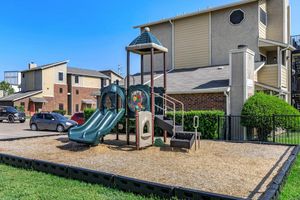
{"points": [[152, 93], [165, 88], [137, 136], [126, 99], [142, 69], [117, 106]]}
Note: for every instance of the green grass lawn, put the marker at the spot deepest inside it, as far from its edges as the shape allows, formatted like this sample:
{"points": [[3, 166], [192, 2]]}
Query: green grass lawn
{"points": [[291, 189], [24, 184]]}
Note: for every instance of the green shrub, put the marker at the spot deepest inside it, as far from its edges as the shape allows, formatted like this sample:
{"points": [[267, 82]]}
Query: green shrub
{"points": [[208, 122], [260, 112], [20, 108], [88, 113], [62, 112]]}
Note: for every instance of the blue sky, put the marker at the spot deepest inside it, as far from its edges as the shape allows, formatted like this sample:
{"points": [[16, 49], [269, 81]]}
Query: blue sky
{"points": [[91, 33]]}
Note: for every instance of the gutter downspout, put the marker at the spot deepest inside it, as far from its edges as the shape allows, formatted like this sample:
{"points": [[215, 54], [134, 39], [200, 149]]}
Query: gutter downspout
{"points": [[227, 95], [173, 47]]}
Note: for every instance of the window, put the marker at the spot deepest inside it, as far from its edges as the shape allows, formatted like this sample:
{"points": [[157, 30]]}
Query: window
{"points": [[263, 17], [60, 76], [237, 16], [263, 58], [77, 79], [22, 104], [23, 75], [283, 58], [61, 106], [76, 108], [49, 117], [39, 116], [60, 90], [77, 92]]}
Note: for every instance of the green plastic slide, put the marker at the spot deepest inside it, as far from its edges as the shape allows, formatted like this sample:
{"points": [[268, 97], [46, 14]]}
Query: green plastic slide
{"points": [[100, 129], [101, 122]]}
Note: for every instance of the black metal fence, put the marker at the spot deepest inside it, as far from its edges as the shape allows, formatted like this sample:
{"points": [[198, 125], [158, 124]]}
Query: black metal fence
{"points": [[283, 129]]}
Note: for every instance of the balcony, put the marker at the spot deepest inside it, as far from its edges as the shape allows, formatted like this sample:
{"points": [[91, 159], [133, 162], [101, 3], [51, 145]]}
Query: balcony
{"points": [[295, 41]]}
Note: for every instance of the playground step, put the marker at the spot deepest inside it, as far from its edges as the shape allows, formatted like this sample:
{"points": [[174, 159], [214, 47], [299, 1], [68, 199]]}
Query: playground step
{"points": [[166, 124]]}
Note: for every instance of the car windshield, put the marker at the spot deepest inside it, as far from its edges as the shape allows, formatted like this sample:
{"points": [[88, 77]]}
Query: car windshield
{"points": [[11, 109], [79, 115], [59, 116]]}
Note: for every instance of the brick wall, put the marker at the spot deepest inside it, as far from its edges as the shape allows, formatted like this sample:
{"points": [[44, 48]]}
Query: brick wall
{"points": [[26, 105], [59, 98], [202, 101], [84, 93]]}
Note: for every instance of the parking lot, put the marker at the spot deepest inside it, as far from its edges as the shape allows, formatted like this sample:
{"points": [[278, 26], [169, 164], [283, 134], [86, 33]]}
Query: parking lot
{"points": [[20, 130]]}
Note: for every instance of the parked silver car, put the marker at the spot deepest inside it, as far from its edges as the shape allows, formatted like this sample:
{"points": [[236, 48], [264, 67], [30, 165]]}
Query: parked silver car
{"points": [[51, 121]]}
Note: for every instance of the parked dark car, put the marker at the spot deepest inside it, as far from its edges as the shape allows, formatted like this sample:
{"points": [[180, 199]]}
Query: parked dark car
{"points": [[11, 114], [79, 118], [51, 122]]}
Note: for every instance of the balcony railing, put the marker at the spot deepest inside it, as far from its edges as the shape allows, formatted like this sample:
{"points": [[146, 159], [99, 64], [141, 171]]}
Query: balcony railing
{"points": [[295, 41]]}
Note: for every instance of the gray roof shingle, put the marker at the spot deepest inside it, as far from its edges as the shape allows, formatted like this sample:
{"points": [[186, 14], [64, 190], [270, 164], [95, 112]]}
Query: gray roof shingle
{"points": [[20, 95], [86, 72], [195, 80]]}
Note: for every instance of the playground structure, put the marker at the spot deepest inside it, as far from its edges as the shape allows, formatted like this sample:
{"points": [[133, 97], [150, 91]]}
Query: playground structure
{"points": [[145, 104]]}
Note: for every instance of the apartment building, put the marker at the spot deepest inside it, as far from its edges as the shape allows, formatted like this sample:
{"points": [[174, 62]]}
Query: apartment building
{"points": [[199, 44], [14, 79], [113, 76], [296, 72], [56, 86]]}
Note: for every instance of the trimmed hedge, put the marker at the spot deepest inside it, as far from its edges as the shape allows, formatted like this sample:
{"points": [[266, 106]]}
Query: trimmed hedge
{"points": [[263, 112], [88, 113], [62, 112], [20, 108], [208, 122]]}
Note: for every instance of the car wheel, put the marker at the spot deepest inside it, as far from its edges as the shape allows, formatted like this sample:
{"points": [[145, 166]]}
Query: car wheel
{"points": [[22, 121], [60, 128], [1, 120], [11, 119], [33, 127]]}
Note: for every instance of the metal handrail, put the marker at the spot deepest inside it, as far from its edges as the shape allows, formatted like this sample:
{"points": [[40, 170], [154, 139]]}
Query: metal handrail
{"points": [[165, 106], [182, 108], [196, 126]]}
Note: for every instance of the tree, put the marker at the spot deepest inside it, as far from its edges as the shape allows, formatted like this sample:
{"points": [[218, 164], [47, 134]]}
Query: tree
{"points": [[6, 87]]}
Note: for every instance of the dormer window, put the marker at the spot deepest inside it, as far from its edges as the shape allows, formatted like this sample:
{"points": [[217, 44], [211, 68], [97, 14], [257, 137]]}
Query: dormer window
{"points": [[263, 16], [237, 16]]}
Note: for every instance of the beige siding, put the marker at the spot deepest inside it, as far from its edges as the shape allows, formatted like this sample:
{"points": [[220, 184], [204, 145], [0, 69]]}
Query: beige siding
{"points": [[275, 20], [31, 80], [284, 77], [88, 82], [262, 30], [114, 78], [163, 32], [192, 42], [268, 75], [50, 77]]}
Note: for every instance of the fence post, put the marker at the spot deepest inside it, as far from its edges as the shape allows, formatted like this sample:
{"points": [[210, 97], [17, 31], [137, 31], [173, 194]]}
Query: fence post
{"points": [[229, 127], [274, 127], [218, 127]]}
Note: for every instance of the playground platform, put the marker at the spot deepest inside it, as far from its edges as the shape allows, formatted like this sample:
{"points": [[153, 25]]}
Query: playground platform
{"points": [[242, 170]]}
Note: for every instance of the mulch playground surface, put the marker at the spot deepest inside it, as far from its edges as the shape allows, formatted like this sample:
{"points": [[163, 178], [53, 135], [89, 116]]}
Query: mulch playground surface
{"points": [[237, 169]]}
